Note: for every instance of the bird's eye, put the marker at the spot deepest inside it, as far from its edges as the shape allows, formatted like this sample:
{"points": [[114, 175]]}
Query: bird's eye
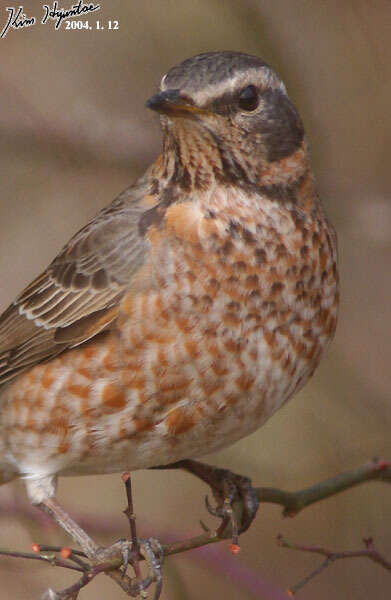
{"points": [[249, 98]]}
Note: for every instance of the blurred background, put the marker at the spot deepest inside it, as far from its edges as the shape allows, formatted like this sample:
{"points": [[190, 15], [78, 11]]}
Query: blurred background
{"points": [[74, 132]]}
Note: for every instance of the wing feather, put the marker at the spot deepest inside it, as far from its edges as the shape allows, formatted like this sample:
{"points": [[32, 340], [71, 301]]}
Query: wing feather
{"points": [[77, 297]]}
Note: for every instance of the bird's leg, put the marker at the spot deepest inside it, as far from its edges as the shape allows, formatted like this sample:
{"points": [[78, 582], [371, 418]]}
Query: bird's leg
{"points": [[87, 544], [226, 487]]}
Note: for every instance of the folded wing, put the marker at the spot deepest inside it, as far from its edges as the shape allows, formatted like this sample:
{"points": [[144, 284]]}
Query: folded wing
{"points": [[78, 295]]}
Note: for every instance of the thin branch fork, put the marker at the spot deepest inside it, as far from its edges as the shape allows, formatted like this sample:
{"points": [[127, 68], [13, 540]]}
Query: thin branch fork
{"points": [[331, 556]]}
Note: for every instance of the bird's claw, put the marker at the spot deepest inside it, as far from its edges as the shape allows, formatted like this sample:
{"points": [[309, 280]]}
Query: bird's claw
{"points": [[215, 511], [153, 553], [230, 488], [150, 549]]}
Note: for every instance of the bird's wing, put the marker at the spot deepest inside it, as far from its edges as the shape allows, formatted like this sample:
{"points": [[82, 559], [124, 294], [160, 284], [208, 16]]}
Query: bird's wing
{"points": [[78, 295]]}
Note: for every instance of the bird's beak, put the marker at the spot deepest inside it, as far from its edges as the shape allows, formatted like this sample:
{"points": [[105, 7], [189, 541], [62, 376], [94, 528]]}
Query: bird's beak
{"points": [[172, 104]]}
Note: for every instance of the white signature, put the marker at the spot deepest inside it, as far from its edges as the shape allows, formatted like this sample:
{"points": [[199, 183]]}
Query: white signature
{"points": [[17, 19]]}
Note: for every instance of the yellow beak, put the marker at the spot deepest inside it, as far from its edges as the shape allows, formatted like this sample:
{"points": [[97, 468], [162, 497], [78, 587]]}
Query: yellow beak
{"points": [[172, 104]]}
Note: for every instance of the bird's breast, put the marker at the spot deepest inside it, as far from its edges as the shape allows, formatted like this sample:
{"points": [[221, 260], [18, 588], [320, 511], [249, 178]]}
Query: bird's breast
{"points": [[244, 303]]}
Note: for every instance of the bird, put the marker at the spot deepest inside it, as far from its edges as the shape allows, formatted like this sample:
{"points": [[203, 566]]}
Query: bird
{"points": [[189, 310]]}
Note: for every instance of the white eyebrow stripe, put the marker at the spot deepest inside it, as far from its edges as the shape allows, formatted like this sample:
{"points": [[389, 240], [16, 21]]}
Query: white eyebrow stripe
{"points": [[262, 76]]}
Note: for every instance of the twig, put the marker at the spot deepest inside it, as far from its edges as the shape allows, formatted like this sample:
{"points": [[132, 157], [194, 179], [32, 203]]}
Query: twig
{"points": [[331, 556], [129, 512], [48, 558]]}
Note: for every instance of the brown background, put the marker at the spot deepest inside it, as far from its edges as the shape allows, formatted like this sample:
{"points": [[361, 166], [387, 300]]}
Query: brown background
{"points": [[74, 132]]}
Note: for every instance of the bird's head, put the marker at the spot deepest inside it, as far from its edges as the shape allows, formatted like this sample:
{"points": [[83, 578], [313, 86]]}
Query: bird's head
{"points": [[226, 117]]}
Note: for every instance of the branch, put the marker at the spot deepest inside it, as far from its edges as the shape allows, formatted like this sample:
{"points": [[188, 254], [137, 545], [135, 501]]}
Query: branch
{"points": [[370, 552], [292, 502], [48, 555]]}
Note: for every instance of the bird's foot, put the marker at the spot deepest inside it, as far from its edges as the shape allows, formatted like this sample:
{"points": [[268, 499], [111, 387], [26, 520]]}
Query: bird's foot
{"points": [[131, 554], [237, 502], [109, 560]]}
